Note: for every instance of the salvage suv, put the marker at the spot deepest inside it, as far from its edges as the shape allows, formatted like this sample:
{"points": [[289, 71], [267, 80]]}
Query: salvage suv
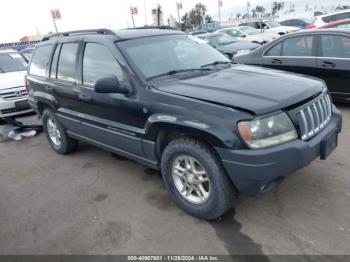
{"points": [[172, 102]]}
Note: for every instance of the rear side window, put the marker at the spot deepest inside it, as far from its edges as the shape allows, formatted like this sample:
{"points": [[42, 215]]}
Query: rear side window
{"points": [[335, 46], [66, 67], [343, 26], [99, 62], [337, 17], [40, 60]]}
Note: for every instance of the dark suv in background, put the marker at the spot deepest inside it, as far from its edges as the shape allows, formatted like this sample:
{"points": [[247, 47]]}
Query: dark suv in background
{"points": [[174, 103]]}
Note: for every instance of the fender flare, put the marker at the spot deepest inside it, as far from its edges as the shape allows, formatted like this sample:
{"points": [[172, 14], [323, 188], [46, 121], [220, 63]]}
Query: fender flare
{"points": [[216, 135], [45, 98]]}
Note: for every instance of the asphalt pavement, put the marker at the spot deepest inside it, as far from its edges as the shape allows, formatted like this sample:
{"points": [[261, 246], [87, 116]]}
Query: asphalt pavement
{"points": [[91, 202]]}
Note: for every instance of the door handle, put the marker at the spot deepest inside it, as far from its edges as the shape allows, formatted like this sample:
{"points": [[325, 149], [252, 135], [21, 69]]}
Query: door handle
{"points": [[327, 64], [276, 61], [85, 97], [49, 88]]}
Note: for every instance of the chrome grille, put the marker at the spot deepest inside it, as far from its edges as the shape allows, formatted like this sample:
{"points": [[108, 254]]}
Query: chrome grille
{"points": [[13, 95], [315, 117]]}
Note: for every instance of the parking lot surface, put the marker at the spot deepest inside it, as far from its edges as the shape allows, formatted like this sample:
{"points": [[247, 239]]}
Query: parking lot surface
{"points": [[92, 203]]}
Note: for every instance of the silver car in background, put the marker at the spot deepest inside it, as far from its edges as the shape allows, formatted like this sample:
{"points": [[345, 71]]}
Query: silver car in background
{"points": [[13, 94], [250, 34]]}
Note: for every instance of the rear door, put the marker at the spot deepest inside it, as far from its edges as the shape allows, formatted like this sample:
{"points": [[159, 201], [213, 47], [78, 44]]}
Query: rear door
{"points": [[295, 54], [333, 63], [63, 85]]}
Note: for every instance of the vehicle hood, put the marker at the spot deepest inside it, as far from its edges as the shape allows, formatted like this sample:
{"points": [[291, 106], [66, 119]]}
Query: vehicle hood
{"points": [[12, 79], [285, 29], [258, 90], [269, 36], [238, 46]]}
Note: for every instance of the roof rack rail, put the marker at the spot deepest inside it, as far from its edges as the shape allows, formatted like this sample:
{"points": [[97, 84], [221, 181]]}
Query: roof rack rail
{"points": [[78, 32]]}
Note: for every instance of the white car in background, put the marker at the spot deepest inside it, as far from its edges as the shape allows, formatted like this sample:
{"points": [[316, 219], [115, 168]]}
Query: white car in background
{"points": [[271, 26], [249, 34], [329, 18], [13, 94]]}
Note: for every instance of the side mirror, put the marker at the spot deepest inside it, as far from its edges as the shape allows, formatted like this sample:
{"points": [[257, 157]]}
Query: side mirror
{"points": [[110, 85], [243, 35]]}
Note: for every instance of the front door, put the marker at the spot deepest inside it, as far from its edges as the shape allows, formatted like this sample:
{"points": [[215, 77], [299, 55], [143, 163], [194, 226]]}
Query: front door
{"points": [[333, 64], [114, 120], [294, 54]]}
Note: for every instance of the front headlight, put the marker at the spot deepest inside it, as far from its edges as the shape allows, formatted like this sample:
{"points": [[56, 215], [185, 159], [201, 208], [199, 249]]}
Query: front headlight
{"points": [[268, 131]]}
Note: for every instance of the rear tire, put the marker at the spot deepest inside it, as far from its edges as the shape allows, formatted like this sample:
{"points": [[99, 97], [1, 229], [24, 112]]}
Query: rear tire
{"points": [[207, 200], [57, 135]]}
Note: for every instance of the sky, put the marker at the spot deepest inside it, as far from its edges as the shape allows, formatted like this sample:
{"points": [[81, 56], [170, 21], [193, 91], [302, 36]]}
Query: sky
{"points": [[22, 17]]}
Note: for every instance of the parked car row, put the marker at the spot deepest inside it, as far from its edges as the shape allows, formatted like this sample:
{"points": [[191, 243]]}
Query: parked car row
{"points": [[226, 44]]}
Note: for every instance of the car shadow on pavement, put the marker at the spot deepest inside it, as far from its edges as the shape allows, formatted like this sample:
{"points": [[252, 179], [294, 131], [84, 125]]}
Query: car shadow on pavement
{"points": [[229, 232], [227, 229]]}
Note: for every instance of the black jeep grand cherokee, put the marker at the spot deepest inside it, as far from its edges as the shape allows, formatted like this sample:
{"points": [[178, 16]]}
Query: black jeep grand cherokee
{"points": [[174, 103]]}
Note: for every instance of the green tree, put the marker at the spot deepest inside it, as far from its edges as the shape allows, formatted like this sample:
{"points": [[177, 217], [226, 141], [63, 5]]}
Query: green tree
{"points": [[259, 9], [197, 15], [276, 7]]}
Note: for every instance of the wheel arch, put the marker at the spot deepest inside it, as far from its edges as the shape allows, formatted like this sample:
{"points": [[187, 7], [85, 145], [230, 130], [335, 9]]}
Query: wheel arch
{"points": [[44, 101], [162, 132]]}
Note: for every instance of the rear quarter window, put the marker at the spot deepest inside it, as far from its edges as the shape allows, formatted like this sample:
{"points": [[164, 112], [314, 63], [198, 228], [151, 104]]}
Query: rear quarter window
{"points": [[40, 60], [66, 67]]}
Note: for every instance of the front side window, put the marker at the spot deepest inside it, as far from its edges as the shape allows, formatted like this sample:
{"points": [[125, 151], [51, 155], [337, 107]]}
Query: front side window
{"points": [[39, 60], [66, 66], [275, 51], [98, 62], [158, 55], [335, 46], [298, 46]]}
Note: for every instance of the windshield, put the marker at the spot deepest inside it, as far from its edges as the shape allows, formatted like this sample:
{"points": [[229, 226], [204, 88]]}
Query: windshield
{"points": [[11, 62], [273, 24], [154, 56], [223, 39], [249, 30]]}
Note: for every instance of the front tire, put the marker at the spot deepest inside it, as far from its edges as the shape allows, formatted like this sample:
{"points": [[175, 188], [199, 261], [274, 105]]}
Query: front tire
{"points": [[195, 179], [57, 135]]}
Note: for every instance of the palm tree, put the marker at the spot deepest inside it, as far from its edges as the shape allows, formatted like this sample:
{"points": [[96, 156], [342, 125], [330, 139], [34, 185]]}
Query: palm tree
{"points": [[276, 7]]}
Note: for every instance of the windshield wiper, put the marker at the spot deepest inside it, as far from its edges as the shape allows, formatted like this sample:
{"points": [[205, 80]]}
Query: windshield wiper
{"points": [[179, 71], [217, 63]]}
